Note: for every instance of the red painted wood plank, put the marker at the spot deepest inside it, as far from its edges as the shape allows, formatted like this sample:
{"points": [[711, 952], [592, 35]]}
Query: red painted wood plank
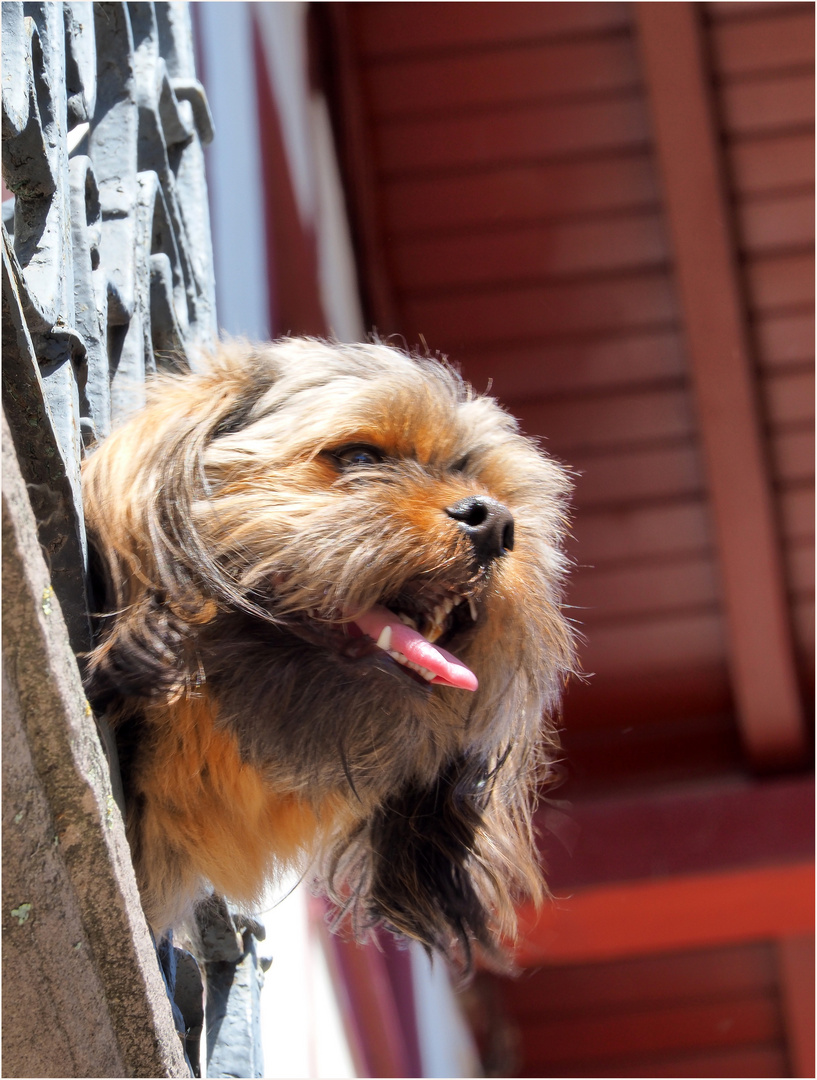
{"points": [[728, 10], [634, 534], [520, 193], [763, 105], [656, 834], [611, 420], [761, 648], [778, 282], [294, 302], [658, 753], [797, 976], [775, 223], [606, 596], [772, 163], [733, 971], [528, 252], [653, 1031], [368, 1003], [804, 634], [789, 398], [797, 512], [759, 1060], [577, 364], [665, 709], [388, 29], [503, 74], [614, 477], [638, 301], [633, 648], [793, 457], [800, 569], [510, 136], [773, 43], [354, 138], [634, 919], [784, 338]]}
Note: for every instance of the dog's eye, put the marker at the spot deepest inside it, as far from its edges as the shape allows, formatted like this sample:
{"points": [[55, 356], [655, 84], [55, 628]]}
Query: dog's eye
{"points": [[358, 455]]}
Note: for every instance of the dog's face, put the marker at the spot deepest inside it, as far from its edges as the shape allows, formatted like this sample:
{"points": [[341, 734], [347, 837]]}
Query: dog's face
{"points": [[356, 562]]}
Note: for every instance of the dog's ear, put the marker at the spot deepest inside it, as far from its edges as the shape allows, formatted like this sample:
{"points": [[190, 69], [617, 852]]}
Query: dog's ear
{"points": [[156, 576], [446, 860]]}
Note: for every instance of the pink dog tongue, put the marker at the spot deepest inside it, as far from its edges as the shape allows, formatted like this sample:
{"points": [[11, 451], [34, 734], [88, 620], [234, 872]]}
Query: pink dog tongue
{"points": [[394, 636]]}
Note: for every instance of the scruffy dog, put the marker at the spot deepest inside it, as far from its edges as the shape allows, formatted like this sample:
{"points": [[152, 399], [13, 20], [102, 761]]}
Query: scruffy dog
{"points": [[333, 628]]}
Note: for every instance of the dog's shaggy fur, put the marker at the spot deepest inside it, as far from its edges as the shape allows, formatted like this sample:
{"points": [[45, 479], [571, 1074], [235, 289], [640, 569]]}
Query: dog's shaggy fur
{"points": [[245, 521]]}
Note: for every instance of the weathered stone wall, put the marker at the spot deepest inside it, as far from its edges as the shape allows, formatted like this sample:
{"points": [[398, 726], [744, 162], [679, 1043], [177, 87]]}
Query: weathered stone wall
{"points": [[107, 275]]}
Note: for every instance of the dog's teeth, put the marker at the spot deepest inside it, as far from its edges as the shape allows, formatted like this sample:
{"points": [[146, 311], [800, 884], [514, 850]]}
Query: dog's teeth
{"points": [[448, 606], [405, 662], [407, 620], [472, 607], [384, 641], [434, 631]]}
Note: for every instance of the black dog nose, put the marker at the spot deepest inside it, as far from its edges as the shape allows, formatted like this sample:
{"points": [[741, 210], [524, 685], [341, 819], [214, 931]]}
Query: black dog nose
{"points": [[487, 523]]}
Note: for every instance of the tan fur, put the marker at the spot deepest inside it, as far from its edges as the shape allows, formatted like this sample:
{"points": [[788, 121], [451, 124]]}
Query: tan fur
{"points": [[238, 546]]}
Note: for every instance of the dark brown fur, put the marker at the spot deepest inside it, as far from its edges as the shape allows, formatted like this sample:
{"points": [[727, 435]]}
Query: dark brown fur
{"points": [[238, 543]]}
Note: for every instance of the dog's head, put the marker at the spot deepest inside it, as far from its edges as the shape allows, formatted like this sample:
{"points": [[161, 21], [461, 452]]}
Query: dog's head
{"points": [[359, 559]]}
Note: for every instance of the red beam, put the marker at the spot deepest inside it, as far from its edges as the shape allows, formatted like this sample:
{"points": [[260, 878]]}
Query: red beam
{"points": [[687, 144], [637, 918], [797, 977]]}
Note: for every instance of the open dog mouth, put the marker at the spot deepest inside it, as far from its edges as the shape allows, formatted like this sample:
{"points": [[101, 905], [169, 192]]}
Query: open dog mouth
{"points": [[410, 633]]}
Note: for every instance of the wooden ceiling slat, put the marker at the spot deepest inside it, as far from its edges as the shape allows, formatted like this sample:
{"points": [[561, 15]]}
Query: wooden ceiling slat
{"points": [[388, 29], [793, 456], [800, 569], [804, 632], [780, 281], [678, 912], [612, 477], [672, 705], [638, 301], [634, 534], [761, 1060], [774, 163], [797, 512], [785, 339], [611, 420], [671, 1028], [761, 647], [354, 142], [604, 595], [511, 136], [770, 44], [796, 954], [770, 224], [636, 647], [598, 244], [515, 194], [599, 595], [761, 105], [567, 249], [578, 364], [520, 72], [728, 10], [788, 398], [733, 971]]}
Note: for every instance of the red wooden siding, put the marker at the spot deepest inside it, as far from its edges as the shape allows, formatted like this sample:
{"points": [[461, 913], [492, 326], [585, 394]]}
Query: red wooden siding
{"points": [[514, 215], [764, 71]]}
